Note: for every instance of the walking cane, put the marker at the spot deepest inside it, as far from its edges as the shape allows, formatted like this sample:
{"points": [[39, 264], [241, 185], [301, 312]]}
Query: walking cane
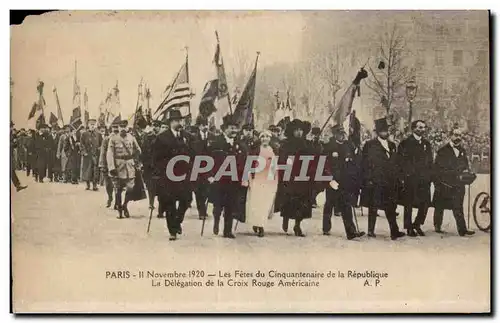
{"points": [[355, 218], [150, 216], [204, 219], [468, 209]]}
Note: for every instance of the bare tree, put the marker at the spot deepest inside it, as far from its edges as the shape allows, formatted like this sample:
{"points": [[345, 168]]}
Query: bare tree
{"points": [[329, 68], [388, 82]]}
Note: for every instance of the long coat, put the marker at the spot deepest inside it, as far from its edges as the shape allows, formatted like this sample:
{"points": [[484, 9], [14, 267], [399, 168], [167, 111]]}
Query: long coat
{"points": [[71, 149], [165, 147], [42, 149], [91, 142], [379, 175], [449, 191], [415, 166], [54, 162], [293, 198], [225, 191], [121, 155]]}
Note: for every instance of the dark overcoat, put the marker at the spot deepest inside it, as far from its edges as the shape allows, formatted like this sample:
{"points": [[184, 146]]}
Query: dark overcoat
{"points": [[91, 142], [42, 149], [449, 191], [415, 167], [54, 162], [379, 175]]}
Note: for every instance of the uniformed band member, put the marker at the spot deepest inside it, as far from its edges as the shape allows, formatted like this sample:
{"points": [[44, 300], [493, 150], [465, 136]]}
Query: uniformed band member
{"points": [[451, 163], [415, 160], [380, 179], [91, 142], [174, 195], [123, 150], [342, 162], [226, 193], [103, 164]]}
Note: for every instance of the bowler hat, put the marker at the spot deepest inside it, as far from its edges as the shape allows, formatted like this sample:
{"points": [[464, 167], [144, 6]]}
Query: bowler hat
{"points": [[174, 115], [381, 125], [247, 127], [200, 120]]}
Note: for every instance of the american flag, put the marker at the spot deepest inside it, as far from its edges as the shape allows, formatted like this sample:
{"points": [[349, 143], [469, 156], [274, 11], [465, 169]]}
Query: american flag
{"points": [[178, 95]]}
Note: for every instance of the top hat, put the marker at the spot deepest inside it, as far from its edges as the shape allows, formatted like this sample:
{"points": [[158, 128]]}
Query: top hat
{"points": [[297, 124], [174, 115], [381, 125]]}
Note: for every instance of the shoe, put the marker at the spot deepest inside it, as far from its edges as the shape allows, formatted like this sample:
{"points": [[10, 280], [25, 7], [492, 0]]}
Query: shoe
{"points": [[397, 235], [351, 237], [20, 188], [298, 231], [261, 233], [372, 234], [160, 216], [438, 230], [360, 234], [95, 189], [179, 231], [125, 212], [326, 233], [172, 237], [120, 213], [419, 231], [255, 229], [216, 228], [108, 203], [202, 217], [411, 233], [284, 226], [87, 188], [229, 235], [467, 233]]}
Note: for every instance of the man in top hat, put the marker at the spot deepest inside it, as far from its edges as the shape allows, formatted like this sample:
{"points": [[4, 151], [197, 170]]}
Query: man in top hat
{"points": [[91, 142], [450, 165], [42, 149], [170, 190], [147, 161], [200, 146], [123, 151], [54, 163], [416, 164], [226, 193], [103, 164], [342, 163], [380, 178], [317, 149]]}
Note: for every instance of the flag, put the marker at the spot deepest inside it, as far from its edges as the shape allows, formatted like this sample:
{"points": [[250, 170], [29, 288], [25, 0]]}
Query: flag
{"points": [[344, 106], [53, 119], [179, 95], [40, 121], [86, 116], [76, 118], [221, 74], [244, 109], [210, 92], [33, 110], [59, 111]]}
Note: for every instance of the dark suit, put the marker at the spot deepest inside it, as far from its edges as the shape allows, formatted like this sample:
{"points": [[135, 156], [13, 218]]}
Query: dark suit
{"points": [[226, 193], [379, 178], [42, 149], [165, 147], [415, 162], [342, 164], [199, 146], [147, 162], [449, 191], [54, 164]]}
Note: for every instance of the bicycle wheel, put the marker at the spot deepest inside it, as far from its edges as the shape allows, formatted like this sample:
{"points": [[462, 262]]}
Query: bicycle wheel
{"points": [[481, 211]]}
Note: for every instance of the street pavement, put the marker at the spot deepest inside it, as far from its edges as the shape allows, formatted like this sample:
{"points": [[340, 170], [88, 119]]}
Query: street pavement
{"points": [[64, 240]]}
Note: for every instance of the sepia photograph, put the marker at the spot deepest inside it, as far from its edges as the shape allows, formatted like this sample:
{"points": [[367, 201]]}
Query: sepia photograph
{"points": [[272, 161]]}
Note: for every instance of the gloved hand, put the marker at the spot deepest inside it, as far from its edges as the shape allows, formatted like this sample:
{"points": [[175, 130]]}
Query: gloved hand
{"points": [[113, 173]]}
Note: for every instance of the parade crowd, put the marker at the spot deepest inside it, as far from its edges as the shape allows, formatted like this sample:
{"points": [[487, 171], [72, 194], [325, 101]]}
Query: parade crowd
{"points": [[374, 173]]}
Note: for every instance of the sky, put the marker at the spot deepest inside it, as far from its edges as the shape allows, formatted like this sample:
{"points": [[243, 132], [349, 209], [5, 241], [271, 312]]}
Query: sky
{"points": [[127, 46]]}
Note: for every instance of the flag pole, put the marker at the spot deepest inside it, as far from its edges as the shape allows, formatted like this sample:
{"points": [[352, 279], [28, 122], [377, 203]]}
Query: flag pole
{"points": [[187, 73], [222, 63]]}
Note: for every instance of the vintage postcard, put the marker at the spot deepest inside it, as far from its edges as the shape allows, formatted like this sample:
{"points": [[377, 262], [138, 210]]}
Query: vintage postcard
{"points": [[251, 162]]}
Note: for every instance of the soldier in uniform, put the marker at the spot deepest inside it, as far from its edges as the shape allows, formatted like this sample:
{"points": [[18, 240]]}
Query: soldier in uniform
{"points": [[380, 179], [226, 192], [342, 163], [169, 144], [91, 142], [103, 164], [416, 164], [451, 162], [122, 152]]}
